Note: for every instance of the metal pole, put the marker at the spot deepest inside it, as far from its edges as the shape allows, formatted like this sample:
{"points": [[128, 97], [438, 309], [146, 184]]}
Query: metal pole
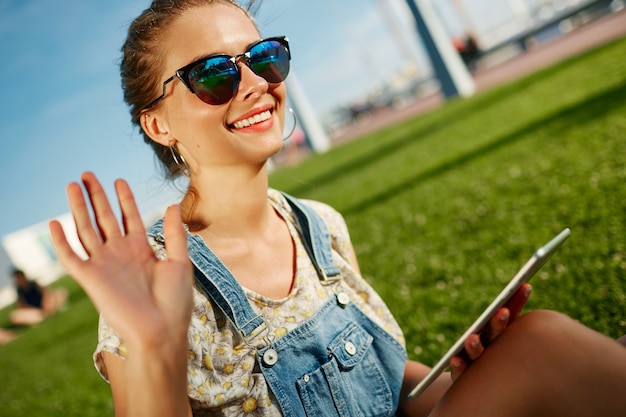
{"points": [[520, 11], [465, 17], [396, 28], [311, 125], [453, 76]]}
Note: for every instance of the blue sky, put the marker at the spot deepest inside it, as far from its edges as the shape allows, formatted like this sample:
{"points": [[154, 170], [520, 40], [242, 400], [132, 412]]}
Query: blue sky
{"points": [[62, 110]]}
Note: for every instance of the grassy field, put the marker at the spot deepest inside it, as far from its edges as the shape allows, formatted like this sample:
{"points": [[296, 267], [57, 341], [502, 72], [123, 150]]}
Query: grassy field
{"points": [[442, 209]]}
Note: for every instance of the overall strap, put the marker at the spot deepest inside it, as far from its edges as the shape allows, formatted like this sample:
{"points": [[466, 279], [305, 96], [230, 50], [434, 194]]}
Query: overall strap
{"points": [[223, 289], [316, 240]]}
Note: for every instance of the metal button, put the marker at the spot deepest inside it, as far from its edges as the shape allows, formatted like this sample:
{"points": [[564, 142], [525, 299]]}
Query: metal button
{"points": [[306, 378], [270, 357], [343, 299], [350, 348]]}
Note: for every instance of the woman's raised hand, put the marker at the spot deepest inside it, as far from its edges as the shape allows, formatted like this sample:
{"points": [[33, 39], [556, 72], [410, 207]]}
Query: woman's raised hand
{"points": [[141, 297]]}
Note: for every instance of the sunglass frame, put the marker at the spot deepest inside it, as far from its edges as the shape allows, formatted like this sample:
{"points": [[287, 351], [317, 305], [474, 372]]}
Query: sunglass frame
{"points": [[183, 73]]}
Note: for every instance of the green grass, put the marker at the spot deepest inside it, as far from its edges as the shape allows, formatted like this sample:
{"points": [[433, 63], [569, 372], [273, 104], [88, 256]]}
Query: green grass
{"points": [[442, 209], [48, 371]]}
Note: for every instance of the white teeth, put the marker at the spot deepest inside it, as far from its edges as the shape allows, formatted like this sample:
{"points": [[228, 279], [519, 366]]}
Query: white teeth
{"points": [[253, 120]]}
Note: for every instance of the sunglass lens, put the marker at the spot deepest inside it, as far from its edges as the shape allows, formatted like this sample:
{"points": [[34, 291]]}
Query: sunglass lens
{"points": [[215, 80], [270, 60]]}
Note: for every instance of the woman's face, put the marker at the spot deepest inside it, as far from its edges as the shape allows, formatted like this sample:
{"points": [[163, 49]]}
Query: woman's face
{"points": [[205, 134]]}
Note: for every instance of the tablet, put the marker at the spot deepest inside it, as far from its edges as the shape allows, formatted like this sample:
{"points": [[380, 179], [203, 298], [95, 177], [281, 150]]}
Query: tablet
{"points": [[523, 275]]}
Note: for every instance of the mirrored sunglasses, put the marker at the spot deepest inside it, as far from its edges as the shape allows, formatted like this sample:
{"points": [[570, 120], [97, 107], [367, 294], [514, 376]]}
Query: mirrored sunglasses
{"points": [[215, 78]]}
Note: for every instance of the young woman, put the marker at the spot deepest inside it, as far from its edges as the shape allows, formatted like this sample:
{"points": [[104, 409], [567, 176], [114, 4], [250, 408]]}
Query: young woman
{"points": [[279, 321]]}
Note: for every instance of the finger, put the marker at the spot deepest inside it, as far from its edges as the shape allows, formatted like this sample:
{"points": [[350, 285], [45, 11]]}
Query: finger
{"points": [[175, 235], [131, 218], [178, 266], [519, 300], [87, 234], [498, 323], [473, 347], [105, 218], [65, 253], [457, 367]]}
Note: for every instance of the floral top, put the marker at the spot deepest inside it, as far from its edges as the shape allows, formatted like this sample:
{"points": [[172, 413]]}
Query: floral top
{"points": [[223, 376]]}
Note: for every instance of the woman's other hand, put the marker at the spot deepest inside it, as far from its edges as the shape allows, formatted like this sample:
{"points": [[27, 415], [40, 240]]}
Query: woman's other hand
{"points": [[475, 344]]}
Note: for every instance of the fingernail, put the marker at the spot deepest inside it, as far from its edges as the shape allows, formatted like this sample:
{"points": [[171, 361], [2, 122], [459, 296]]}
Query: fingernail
{"points": [[504, 318], [456, 363], [475, 344], [528, 291]]}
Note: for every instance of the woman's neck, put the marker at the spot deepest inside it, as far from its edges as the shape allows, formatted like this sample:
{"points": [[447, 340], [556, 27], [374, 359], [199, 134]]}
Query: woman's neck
{"points": [[227, 203]]}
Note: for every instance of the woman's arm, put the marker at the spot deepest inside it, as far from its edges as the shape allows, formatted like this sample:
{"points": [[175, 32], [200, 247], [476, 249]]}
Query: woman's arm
{"points": [[144, 384], [146, 300]]}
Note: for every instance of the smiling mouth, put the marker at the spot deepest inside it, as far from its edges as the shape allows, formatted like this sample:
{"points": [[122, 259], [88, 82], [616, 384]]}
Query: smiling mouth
{"points": [[257, 118]]}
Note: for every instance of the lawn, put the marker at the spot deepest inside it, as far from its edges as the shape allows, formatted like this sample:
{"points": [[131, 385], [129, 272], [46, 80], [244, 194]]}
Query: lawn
{"points": [[442, 210]]}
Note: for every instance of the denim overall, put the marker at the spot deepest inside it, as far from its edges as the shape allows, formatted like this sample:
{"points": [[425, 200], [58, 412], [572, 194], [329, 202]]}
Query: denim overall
{"points": [[338, 363]]}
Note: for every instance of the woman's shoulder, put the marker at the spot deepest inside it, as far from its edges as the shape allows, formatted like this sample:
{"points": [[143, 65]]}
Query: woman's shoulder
{"points": [[334, 221], [333, 218]]}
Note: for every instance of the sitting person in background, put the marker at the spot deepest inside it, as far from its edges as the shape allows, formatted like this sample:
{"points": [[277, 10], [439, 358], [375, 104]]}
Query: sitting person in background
{"points": [[34, 302]]}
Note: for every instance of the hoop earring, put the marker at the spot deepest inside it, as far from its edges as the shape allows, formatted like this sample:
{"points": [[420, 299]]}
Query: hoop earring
{"points": [[292, 128], [178, 159]]}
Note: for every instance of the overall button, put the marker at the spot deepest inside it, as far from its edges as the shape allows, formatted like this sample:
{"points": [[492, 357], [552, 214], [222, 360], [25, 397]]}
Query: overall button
{"points": [[350, 348], [307, 378], [270, 357], [343, 299]]}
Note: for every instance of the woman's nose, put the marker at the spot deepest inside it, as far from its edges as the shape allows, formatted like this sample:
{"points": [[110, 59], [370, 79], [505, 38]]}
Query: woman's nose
{"points": [[250, 84]]}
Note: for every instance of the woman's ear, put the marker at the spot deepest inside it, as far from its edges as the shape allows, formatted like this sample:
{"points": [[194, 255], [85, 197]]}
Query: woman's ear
{"points": [[155, 127]]}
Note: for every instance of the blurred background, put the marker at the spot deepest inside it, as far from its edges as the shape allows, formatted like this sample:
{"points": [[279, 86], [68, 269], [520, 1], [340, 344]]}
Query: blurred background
{"points": [[357, 65]]}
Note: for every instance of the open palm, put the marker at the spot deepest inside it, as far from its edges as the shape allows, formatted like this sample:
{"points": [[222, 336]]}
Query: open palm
{"points": [[142, 297]]}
